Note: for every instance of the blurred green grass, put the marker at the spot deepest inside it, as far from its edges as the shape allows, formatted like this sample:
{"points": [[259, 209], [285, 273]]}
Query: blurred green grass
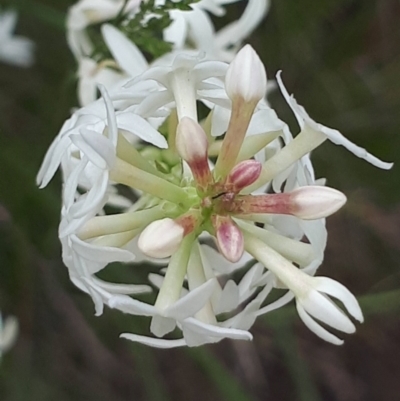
{"points": [[341, 59]]}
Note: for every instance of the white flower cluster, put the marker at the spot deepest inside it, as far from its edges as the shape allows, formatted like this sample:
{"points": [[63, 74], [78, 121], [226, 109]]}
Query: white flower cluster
{"points": [[225, 204], [14, 50]]}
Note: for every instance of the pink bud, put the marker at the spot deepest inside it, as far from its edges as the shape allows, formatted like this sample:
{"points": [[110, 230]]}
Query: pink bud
{"points": [[192, 145], [229, 237], [307, 203], [246, 77], [244, 174], [161, 238]]}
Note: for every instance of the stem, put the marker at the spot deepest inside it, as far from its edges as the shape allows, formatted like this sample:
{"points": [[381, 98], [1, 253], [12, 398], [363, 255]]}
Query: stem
{"points": [[196, 277], [116, 240], [304, 143], [171, 288], [296, 251], [254, 143], [128, 153], [272, 260], [117, 223], [125, 173], [238, 124]]}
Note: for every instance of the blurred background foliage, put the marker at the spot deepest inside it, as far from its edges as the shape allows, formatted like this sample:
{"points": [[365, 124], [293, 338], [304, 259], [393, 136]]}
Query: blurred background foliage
{"points": [[341, 58]]}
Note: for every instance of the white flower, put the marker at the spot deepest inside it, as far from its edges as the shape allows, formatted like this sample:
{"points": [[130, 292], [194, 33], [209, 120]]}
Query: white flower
{"points": [[185, 210], [196, 27], [15, 50], [88, 12], [309, 292], [319, 133], [8, 333]]}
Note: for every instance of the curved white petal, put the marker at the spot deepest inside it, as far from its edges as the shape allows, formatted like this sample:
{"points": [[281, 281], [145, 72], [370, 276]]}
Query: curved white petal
{"points": [[316, 328]]}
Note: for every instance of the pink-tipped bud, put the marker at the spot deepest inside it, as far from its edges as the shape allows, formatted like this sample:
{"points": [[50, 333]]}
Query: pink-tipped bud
{"points": [[244, 174], [307, 203], [246, 77], [161, 238], [191, 141], [230, 240], [316, 202], [192, 146]]}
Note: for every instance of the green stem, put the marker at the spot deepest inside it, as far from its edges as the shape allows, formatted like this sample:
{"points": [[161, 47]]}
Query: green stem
{"points": [[125, 173], [232, 143], [171, 288], [304, 143], [117, 223]]}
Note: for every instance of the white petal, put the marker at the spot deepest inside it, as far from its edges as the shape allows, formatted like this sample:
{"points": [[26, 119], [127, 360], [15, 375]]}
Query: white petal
{"points": [[192, 302], [8, 333], [229, 298], [282, 301], [160, 325], [132, 306], [216, 331], [100, 254], [154, 342], [339, 291], [52, 160], [127, 55], [316, 328], [122, 288], [141, 128], [333, 135], [322, 308]]}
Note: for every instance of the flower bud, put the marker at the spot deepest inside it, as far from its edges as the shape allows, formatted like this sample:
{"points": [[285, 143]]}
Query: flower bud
{"points": [[244, 174], [192, 146], [161, 238], [316, 202], [191, 140], [246, 77], [307, 203], [229, 237]]}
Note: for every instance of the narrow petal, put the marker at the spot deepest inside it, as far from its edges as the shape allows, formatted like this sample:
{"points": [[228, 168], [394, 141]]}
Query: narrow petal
{"points": [[141, 128], [191, 303], [127, 55], [316, 328], [154, 342], [339, 291]]}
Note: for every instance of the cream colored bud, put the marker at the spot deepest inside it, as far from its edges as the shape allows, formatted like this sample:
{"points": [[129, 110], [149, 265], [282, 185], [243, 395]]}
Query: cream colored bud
{"points": [[161, 238], [316, 202], [246, 77], [191, 140]]}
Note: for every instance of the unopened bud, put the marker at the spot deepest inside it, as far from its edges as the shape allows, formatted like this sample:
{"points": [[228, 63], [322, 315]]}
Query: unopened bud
{"points": [[229, 237], [192, 146], [307, 203], [246, 77], [191, 140], [244, 174], [161, 238], [316, 202]]}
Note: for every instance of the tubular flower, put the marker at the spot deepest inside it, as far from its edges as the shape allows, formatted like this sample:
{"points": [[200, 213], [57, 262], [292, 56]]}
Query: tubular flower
{"points": [[204, 203]]}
